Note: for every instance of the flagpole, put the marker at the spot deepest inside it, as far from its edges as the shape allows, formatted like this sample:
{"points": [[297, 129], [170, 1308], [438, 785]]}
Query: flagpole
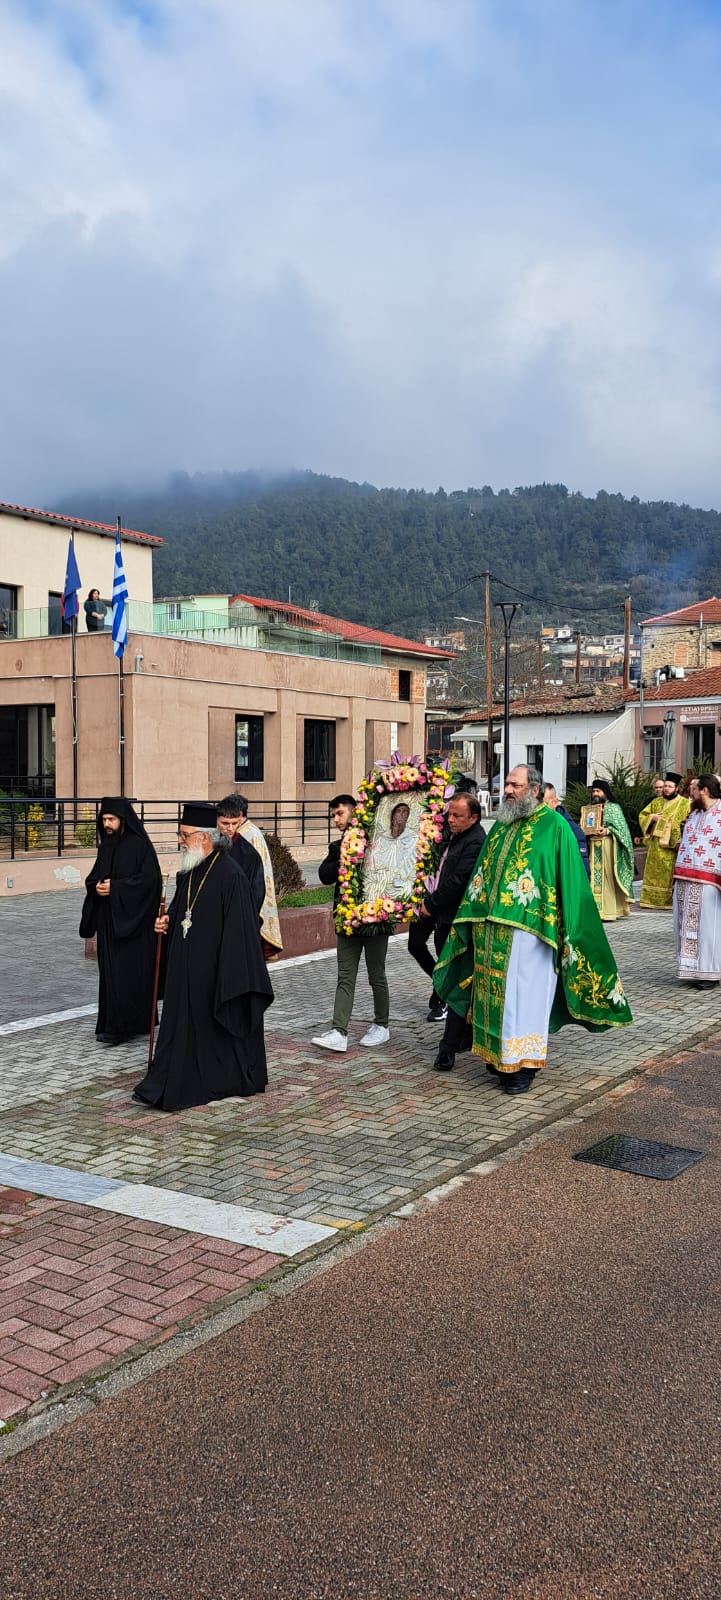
{"points": [[121, 702], [74, 699]]}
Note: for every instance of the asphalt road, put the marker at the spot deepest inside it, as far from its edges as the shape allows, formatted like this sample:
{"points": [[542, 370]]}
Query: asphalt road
{"points": [[514, 1394]]}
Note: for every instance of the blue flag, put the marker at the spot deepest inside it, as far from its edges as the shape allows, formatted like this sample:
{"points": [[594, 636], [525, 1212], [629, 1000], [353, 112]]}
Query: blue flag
{"points": [[69, 603], [120, 595]]}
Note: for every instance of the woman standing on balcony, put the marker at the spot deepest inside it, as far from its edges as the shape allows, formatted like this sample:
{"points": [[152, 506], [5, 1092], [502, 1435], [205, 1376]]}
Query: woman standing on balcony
{"points": [[95, 612]]}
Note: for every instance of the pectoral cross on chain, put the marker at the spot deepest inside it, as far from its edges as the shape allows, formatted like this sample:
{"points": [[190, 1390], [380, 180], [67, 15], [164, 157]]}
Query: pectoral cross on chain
{"points": [[186, 924]]}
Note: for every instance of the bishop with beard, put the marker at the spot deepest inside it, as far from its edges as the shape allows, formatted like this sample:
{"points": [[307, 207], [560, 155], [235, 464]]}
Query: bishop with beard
{"points": [[216, 985]]}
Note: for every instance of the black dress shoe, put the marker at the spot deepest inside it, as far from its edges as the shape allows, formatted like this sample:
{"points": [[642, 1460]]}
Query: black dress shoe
{"points": [[444, 1061], [518, 1082], [496, 1071]]}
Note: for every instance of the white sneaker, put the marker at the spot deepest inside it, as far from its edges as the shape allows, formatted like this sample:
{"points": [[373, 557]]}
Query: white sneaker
{"points": [[376, 1034], [334, 1040]]}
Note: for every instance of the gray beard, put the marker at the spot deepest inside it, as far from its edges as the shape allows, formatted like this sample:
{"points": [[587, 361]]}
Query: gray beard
{"points": [[513, 810], [191, 859]]}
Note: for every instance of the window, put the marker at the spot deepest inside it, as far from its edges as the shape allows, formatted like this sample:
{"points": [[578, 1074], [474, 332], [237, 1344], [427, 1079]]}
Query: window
{"points": [[576, 763], [534, 756], [55, 613], [175, 611], [249, 749], [653, 749], [8, 611], [318, 751], [700, 743], [404, 685]]}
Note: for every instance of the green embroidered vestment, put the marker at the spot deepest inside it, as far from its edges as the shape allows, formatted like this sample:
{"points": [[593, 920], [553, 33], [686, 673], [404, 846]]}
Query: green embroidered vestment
{"points": [[529, 875]]}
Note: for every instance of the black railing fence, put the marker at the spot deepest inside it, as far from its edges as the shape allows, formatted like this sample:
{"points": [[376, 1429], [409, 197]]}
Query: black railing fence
{"points": [[36, 825]]}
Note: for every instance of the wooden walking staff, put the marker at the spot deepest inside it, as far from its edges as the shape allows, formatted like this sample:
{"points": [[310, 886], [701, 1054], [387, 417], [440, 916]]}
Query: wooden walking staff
{"points": [[156, 981]]}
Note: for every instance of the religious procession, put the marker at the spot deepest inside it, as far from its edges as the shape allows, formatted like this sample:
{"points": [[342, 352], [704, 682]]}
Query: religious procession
{"points": [[514, 913]]}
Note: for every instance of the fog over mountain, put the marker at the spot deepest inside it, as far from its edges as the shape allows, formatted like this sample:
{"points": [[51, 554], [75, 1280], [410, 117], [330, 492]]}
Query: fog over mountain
{"points": [[404, 559]]}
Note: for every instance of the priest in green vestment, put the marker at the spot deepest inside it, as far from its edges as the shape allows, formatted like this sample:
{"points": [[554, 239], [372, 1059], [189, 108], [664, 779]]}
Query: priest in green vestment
{"points": [[527, 952], [610, 852], [662, 825]]}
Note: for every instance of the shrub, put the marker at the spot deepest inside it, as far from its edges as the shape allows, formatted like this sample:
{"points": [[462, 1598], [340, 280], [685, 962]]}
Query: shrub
{"points": [[286, 872]]}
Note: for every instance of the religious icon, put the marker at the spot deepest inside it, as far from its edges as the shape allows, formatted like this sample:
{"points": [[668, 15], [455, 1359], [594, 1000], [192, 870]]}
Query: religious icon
{"points": [[592, 818], [389, 867]]}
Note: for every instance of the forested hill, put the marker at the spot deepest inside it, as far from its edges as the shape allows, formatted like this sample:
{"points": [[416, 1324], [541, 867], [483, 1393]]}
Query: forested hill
{"points": [[398, 558]]}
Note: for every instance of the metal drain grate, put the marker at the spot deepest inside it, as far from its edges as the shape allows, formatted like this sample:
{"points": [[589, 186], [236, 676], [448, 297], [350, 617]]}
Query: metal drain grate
{"points": [[648, 1159]]}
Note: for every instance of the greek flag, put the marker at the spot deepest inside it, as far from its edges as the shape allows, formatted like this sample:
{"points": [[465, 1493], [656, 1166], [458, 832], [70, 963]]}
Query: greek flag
{"points": [[120, 595]]}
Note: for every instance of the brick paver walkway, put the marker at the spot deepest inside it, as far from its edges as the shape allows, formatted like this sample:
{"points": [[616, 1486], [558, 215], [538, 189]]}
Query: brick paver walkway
{"points": [[335, 1140]]}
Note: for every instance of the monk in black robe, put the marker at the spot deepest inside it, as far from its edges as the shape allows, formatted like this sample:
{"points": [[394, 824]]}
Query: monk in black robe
{"points": [[121, 904], [216, 985]]}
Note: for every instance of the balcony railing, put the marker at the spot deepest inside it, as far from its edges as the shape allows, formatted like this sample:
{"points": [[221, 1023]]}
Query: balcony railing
{"points": [[239, 626], [35, 826]]}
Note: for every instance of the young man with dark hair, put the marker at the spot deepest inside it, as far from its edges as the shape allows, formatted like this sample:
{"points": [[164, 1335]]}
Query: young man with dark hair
{"points": [[350, 948], [233, 821], [444, 896]]}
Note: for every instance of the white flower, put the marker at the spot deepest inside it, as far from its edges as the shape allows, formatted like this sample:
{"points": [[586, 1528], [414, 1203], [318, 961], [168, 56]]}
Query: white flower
{"points": [[617, 996], [525, 888], [570, 955]]}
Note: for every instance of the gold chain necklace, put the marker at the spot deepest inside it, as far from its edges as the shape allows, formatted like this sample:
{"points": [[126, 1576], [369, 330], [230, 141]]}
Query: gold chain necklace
{"points": [[187, 921]]}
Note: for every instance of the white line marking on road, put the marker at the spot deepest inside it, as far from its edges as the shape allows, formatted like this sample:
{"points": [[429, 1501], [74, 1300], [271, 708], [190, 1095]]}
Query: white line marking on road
{"points": [[26, 1023]]}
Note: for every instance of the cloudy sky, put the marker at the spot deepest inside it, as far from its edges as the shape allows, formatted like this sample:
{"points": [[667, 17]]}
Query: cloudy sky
{"points": [[413, 241]]}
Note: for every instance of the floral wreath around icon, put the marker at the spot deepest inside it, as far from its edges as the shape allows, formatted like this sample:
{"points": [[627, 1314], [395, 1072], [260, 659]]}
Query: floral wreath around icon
{"points": [[434, 782]]}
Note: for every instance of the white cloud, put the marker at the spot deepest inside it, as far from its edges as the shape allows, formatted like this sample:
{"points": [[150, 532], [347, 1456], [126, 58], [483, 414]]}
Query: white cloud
{"points": [[408, 240]]}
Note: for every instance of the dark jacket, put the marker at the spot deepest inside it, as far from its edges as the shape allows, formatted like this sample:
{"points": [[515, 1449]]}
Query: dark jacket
{"points": [[329, 869], [461, 858], [581, 839]]}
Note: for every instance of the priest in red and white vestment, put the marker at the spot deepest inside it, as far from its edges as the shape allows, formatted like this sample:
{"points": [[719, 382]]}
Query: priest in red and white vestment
{"points": [[697, 887]]}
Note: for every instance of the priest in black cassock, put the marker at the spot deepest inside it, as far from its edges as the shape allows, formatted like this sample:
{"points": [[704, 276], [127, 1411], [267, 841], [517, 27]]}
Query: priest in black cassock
{"points": [[121, 904], [216, 985]]}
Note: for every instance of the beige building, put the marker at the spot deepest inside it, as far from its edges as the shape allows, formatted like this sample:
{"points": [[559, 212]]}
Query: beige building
{"points": [[216, 693]]}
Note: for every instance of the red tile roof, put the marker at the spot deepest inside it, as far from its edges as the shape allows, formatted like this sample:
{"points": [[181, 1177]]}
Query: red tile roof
{"points": [[299, 617], [700, 685], [58, 518], [703, 610], [572, 700]]}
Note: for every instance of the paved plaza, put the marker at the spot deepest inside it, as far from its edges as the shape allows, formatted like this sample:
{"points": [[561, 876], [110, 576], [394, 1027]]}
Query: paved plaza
{"points": [[119, 1224]]}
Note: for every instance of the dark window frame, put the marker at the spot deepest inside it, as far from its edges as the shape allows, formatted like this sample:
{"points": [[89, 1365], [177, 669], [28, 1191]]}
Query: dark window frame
{"points": [[252, 770], [533, 759], [319, 750]]}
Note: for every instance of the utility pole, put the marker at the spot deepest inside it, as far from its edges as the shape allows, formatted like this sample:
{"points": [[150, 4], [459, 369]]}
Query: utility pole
{"points": [[489, 680], [578, 657], [508, 611], [627, 643], [540, 661]]}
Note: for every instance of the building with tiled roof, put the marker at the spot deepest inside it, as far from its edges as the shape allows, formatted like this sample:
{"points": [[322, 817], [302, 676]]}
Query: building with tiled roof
{"points": [[301, 617], [285, 703], [58, 519], [688, 638]]}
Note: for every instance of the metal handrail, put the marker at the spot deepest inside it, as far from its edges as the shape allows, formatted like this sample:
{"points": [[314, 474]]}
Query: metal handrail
{"points": [[37, 824]]}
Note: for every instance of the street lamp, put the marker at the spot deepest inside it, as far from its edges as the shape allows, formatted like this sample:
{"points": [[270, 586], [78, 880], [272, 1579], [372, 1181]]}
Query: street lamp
{"points": [[669, 724], [509, 609]]}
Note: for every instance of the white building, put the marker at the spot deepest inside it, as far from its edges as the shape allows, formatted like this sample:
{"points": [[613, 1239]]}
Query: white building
{"points": [[569, 736]]}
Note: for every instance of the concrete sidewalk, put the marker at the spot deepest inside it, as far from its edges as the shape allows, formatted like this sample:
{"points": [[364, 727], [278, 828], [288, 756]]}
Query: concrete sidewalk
{"points": [[513, 1395], [119, 1227]]}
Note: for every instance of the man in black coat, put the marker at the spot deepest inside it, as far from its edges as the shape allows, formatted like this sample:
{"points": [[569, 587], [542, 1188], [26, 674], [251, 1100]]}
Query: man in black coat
{"points": [[121, 904], [444, 896], [215, 982]]}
